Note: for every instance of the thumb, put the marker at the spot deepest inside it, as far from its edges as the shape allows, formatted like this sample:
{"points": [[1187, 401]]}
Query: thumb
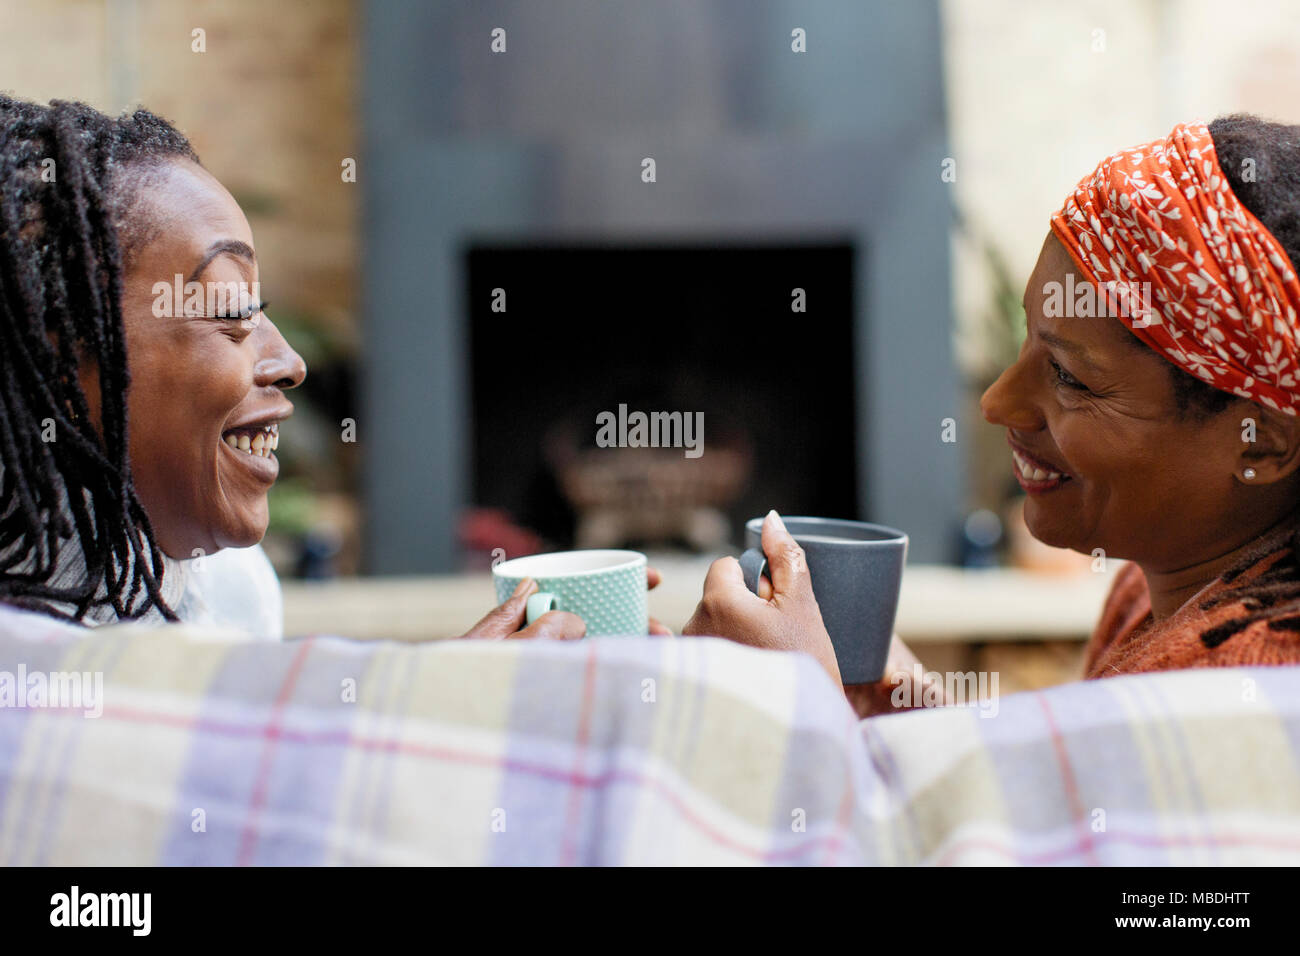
{"points": [[786, 564], [501, 622], [724, 575]]}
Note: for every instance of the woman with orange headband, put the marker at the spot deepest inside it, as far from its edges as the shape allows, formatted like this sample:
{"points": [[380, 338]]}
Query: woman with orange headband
{"points": [[1159, 428]]}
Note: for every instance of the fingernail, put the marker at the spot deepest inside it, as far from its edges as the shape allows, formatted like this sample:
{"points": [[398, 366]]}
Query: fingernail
{"points": [[777, 518], [523, 587]]}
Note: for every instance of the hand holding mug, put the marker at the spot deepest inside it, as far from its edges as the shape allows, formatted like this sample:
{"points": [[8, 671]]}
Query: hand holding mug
{"points": [[506, 620], [579, 593], [789, 620], [856, 570]]}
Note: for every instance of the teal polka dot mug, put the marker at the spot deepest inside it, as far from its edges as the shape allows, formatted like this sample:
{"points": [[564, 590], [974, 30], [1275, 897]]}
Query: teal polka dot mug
{"points": [[607, 589]]}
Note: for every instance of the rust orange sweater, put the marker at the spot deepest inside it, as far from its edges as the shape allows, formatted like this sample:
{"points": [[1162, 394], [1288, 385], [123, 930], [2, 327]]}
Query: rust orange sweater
{"points": [[1128, 640]]}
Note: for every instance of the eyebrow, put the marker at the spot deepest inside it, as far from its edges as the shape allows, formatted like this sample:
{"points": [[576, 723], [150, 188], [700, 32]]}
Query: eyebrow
{"points": [[1074, 348], [1064, 344], [223, 247]]}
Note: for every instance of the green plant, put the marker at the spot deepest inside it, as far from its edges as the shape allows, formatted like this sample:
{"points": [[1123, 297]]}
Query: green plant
{"points": [[999, 329]]}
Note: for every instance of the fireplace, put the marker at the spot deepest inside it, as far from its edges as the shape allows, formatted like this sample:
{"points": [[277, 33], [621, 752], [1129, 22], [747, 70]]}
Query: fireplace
{"points": [[537, 159], [561, 335]]}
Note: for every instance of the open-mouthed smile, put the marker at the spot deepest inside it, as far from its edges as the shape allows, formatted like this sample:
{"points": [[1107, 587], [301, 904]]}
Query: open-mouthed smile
{"points": [[1035, 476], [259, 440], [253, 444]]}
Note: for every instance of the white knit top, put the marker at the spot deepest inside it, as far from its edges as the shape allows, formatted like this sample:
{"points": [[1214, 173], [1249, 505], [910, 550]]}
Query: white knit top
{"points": [[234, 589]]}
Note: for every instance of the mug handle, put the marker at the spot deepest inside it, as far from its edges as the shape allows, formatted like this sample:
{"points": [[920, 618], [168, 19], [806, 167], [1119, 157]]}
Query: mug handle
{"points": [[753, 565], [539, 604]]}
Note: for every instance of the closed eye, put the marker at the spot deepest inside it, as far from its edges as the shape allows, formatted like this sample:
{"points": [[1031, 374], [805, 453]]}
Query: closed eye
{"points": [[247, 318], [1065, 378]]}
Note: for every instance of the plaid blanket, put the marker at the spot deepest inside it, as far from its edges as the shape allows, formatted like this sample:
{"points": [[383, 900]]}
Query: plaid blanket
{"points": [[200, 749]]}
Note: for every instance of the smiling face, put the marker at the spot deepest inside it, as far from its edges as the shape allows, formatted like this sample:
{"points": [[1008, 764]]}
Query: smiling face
{"points": [[202, 386], [1087, 400]]}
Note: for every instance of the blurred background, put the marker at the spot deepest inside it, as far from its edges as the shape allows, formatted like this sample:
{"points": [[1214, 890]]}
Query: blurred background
{"points": [[498, 271]]}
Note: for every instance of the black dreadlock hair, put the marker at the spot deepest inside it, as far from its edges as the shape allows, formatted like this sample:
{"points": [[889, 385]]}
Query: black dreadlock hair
{"points": [[1273, 197], [70, 219]]}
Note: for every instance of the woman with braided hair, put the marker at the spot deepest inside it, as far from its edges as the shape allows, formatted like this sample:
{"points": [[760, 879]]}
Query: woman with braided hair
{"points": [[75, 538], [138, 428], [1151, 414]]}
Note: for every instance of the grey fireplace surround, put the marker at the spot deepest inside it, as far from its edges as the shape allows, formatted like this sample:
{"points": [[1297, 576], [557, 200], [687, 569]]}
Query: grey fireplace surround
{"points": [[751, 140]]}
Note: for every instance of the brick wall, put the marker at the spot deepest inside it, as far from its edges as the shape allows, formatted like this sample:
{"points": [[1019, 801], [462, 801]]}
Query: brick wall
{"points": [[270, 107]]}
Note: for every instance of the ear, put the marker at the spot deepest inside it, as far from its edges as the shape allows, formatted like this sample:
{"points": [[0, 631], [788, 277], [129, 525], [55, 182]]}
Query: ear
{"points": [[1270, 444]]}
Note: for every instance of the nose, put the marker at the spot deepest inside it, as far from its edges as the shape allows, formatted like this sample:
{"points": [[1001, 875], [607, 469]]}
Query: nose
{"points": [[1010, 402], [278, 364]]}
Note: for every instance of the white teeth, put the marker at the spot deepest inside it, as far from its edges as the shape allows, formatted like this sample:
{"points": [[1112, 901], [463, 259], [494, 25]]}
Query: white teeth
{"points": [[1033, 473], [264, 440]]}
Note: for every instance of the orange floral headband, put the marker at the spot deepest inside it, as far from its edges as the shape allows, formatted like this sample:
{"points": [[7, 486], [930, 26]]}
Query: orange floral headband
{"points": [[1160, 222]]}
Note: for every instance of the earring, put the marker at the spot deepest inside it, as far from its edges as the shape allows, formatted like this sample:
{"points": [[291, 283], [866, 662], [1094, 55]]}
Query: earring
{"points": [[1249, 472]]}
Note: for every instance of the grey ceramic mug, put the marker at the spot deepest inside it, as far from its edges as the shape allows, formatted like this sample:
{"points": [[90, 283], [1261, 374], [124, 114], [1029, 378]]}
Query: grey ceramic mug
{"points": [[856, 570]]}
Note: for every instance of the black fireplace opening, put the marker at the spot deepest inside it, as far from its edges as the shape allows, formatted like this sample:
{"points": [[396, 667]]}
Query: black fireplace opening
{"points": [[561, 334]]}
